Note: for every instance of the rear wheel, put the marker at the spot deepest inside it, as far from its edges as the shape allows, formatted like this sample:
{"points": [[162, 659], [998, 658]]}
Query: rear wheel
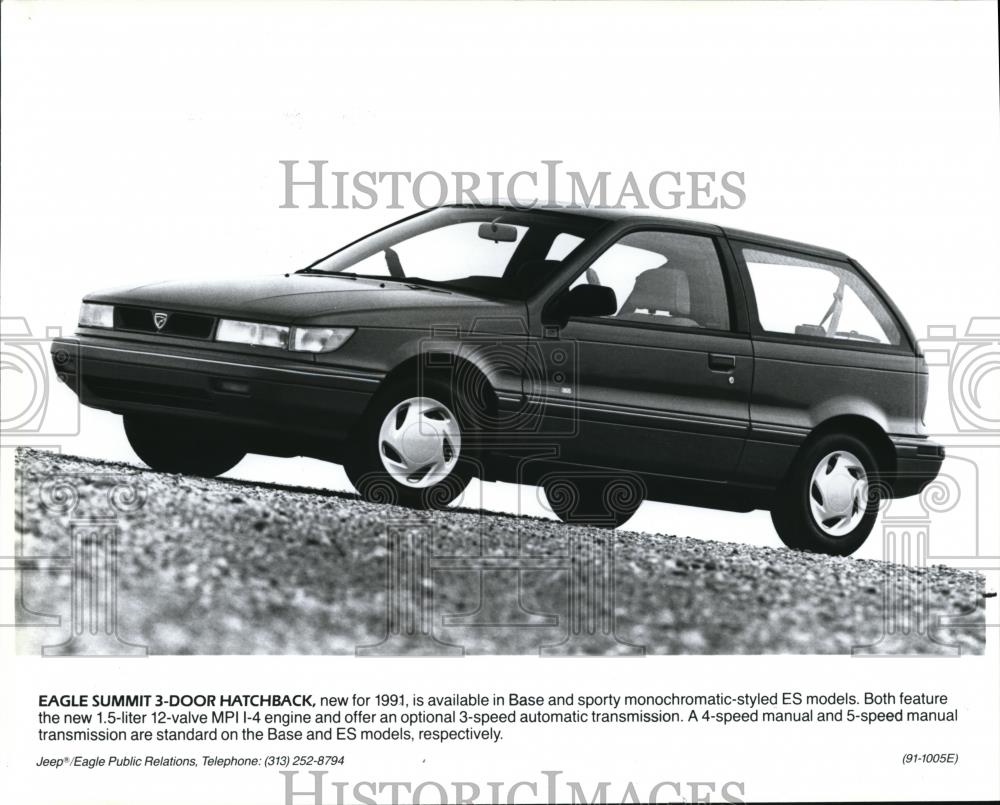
{"points": [[412, 448], [168, 444], [828, 502], [602, 501]]}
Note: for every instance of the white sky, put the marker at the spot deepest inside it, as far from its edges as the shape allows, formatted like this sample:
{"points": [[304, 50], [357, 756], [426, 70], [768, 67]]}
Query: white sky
{"points": [[144, 145]]}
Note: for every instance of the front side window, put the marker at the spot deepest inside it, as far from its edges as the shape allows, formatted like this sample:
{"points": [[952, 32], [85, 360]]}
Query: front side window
{"points": [[449, 247], [799, 296], [663, 278]]}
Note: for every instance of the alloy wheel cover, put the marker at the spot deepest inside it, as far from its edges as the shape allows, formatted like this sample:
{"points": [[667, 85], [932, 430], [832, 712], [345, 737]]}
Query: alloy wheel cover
{"points": [[419, 442], [838, 493]]}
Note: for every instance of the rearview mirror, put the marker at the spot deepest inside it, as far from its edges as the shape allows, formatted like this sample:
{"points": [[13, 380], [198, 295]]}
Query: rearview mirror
{"points": [[498, 233], [588, 300]]}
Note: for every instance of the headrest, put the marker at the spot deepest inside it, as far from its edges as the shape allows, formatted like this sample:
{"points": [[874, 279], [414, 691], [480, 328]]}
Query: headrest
{"points": [[662, 288]]}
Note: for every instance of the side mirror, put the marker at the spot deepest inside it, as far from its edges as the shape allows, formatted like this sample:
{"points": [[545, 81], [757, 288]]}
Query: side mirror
{"points": [[587, 300], [498, 233]]}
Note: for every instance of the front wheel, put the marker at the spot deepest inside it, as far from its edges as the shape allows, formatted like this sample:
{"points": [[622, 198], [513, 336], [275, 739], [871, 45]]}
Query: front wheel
{"points": [[175, 445], [411, 448], [828, 502]]}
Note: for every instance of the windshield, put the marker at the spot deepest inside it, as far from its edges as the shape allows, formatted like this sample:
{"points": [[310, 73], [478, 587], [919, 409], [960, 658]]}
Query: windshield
{"points": [[511, 256]]}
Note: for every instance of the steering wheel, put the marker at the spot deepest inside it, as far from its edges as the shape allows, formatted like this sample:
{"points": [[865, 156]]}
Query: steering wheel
{"points": [[393, 264]]}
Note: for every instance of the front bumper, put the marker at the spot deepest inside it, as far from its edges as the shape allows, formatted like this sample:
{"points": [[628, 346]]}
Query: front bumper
{"points": [[918, 462], [235, 389]]}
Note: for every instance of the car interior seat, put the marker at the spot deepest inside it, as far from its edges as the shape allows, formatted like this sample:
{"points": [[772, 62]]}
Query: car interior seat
{"points": [[662, 291]]}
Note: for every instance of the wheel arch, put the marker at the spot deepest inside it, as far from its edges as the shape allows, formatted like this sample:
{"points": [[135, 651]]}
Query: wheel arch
{"points": [[464, 377], [864, 428]]}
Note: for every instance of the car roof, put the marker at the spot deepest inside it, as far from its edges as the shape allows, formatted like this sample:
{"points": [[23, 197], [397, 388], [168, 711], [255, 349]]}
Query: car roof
{"points": [[605, 214]]}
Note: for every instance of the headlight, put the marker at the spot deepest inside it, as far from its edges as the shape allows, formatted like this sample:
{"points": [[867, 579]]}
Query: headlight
{"points": [[320, 339], [254, 333], [92, 315]]}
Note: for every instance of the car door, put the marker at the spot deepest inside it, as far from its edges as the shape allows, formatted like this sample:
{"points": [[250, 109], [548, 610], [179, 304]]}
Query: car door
{"points": [[826, 345], [662, 385]]}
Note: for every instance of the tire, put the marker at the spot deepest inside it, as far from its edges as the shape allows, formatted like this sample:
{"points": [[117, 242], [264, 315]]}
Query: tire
{"points": [[167, 444], [412, 447], [601, 501], [828, 502]]}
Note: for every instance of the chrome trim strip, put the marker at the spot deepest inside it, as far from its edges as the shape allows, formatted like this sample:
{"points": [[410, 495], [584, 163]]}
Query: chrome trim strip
{"points": [[318, 372], [774, 429], [740, 426]]}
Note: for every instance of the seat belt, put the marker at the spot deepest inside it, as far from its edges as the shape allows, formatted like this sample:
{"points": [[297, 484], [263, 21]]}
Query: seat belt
{"points": [[838, 299]]}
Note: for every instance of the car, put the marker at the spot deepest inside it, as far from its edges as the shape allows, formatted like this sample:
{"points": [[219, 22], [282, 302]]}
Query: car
{"points": [[606, 356]]}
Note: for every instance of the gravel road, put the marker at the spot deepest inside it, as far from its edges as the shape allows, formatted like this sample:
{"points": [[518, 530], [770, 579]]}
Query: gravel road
{"points": [[230, 567]]}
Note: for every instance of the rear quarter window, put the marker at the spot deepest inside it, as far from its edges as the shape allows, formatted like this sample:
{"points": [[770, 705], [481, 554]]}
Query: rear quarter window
{"points": [[808, 298]]}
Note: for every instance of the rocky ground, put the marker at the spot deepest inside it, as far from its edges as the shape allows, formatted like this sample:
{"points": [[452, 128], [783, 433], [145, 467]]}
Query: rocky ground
{"points": [[230, 567]]}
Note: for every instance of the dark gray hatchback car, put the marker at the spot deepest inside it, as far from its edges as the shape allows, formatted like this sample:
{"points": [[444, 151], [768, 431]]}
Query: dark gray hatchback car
{"points": [[607, 357]]}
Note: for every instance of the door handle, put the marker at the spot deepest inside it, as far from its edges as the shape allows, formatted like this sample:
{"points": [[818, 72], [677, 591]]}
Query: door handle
{"points": [[721, 363]]}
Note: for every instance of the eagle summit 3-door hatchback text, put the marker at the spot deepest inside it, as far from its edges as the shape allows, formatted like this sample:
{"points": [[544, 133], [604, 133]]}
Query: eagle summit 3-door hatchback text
{"points": [[607, 357]]}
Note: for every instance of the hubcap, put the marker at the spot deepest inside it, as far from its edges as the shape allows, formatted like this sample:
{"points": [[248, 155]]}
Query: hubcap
{"points": [[838, 493], [419, 442]]}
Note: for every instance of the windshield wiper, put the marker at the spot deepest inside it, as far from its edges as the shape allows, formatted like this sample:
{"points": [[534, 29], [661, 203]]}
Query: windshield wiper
{"points": [[415, 282], [345, 274], [426, 285], [311, 270]]}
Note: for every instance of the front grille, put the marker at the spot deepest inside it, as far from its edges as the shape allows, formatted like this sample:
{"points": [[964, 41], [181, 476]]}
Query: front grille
{"points": [[186, 325]]}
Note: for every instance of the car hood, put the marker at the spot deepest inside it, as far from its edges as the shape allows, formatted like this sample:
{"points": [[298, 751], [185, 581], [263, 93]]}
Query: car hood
{"points": [[312, 298]]}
